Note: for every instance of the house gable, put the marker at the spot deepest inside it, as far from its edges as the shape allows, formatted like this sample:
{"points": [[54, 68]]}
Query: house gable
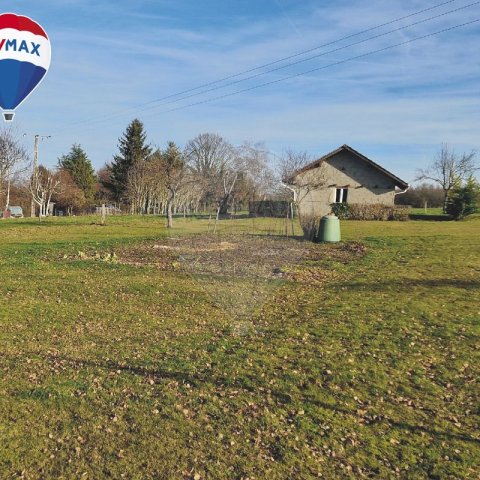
{"points": [[343, 175], [344, 169], [357, 167]]}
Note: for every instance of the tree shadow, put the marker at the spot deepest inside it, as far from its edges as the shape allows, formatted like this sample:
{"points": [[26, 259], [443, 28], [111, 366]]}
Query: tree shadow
{"points": [[387, 285], [435, 218], [196, 379], [400, 425]]}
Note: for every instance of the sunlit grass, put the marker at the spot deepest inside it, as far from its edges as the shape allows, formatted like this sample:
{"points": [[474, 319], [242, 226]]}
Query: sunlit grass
{"points": [[110, 369]]}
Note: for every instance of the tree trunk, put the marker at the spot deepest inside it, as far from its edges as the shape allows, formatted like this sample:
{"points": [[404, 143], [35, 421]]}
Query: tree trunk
{"points": [[223, 207], [445, 202], [169, 214], [216, 221], [170, 201], [8, 195], [104, 214]]}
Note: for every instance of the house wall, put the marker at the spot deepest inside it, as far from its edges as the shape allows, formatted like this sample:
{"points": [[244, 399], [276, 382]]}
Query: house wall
{"points": [[366, 184]]}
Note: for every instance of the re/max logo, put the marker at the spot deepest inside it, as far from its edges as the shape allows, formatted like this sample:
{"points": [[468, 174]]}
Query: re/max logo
{"points": [[12, 45]]}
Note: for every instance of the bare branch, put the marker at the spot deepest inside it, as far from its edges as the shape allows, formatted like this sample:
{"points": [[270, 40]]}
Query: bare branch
{"points": [[448, 169], [13, 156]]}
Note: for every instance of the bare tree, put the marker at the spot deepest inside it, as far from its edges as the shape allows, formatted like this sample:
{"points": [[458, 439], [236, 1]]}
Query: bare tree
{"points": [[228, 177], [44, 184], [214, 162], [292, 161], [69, 196], [257, 179], [138, 184], [13, 159], [208, 152], [290, 167], [173, 174], [448, 169], [189, 196], [301, 183]]}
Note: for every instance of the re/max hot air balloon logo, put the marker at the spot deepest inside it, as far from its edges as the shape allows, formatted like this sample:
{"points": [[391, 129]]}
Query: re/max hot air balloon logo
{"points": [[25, 55]]}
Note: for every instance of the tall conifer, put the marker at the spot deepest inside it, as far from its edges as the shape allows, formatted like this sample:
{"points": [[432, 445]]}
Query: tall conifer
{"points": [[132, 151]]}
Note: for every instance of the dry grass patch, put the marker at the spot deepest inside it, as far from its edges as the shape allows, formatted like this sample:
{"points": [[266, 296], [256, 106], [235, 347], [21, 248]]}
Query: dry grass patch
{"points": [[265, 257]]}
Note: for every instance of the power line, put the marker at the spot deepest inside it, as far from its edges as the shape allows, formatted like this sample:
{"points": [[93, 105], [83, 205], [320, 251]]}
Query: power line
{"points": [[236, 82], [275, 62], [298, 54], [324, 67], [340, 62]]}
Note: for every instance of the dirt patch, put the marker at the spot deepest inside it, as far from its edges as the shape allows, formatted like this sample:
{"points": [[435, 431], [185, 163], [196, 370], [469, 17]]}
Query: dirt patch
{"points": [[242, 255], [197, 249]]}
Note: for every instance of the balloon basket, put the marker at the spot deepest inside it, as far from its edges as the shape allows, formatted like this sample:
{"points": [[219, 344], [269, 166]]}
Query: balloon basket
{"points": [[8, 116]]}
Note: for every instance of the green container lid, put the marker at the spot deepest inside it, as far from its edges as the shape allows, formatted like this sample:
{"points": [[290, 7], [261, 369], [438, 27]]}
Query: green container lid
{"points": [[329, 229]]}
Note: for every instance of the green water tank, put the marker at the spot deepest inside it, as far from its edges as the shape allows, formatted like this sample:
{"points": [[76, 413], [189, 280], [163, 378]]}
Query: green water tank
{"points": [[329, 229]]}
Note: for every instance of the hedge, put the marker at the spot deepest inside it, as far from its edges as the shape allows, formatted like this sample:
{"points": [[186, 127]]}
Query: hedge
{"points": [[377, 211]]}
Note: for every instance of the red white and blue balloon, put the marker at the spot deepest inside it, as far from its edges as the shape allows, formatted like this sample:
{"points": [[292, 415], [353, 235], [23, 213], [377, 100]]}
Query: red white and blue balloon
{"points": [[25, 55]]}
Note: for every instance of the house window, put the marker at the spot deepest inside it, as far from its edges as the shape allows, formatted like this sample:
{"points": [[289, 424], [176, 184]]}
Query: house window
{"points": [[341, 195]]}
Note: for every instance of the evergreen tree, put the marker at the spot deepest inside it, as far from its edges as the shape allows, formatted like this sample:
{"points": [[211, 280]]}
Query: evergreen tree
{"points": [[132, 151], [81, 170], [464, 199]]}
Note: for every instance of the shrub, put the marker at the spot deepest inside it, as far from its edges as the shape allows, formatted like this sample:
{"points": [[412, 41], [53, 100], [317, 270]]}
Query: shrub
{"points": [[401, 214], [341, 210], [354, 211], [361, 211], [464, 200]]}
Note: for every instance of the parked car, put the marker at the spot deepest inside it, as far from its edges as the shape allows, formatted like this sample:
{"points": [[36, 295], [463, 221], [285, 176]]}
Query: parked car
{"points": [[13, 212]]}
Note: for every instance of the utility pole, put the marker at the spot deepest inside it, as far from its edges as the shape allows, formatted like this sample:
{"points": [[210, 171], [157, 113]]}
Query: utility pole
{"points": [[37, 138], [8, 191], [35, 161]]}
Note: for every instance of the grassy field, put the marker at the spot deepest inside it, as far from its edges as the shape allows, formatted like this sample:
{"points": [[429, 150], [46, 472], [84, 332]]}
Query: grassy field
{"points": [[131, 352]]}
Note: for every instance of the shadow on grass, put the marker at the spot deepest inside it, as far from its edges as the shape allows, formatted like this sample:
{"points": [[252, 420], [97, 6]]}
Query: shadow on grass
{"points": [[435, 218], [400, 425], [413, 282], [157, 375]]}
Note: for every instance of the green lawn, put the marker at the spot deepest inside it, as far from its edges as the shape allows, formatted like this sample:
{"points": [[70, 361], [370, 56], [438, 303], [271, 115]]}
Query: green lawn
{"points": [[355, 361], [428, 211]]}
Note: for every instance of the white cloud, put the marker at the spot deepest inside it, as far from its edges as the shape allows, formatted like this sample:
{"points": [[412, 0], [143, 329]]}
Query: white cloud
{"points": [[405, 100]]}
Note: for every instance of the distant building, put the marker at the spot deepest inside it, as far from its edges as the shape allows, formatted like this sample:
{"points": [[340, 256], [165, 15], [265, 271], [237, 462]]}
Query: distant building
{"points": [[109, 210], [343, 176]]}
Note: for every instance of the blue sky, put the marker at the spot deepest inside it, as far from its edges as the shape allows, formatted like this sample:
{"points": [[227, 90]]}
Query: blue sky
{"points": [[110, 58]]}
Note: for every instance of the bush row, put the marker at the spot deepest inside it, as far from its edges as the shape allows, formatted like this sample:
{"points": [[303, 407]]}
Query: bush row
{"points": [[360, 211]]}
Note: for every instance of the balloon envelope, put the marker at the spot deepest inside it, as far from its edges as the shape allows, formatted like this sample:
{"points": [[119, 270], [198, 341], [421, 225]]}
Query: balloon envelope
{"points": [[25, 55]]}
